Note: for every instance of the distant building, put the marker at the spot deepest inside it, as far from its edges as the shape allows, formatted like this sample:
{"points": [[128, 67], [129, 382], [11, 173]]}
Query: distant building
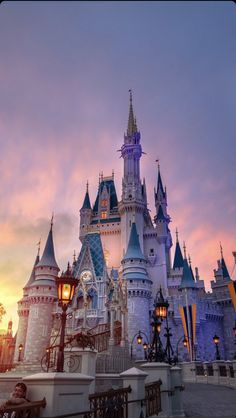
{"points": [[124, 259], [7, 348]]}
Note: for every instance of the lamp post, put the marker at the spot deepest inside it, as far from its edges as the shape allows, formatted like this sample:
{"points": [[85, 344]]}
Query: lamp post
{"points": [[139, 341], [216, 340], [20, 348], [184, 340], [66, 285], [234, 331]]}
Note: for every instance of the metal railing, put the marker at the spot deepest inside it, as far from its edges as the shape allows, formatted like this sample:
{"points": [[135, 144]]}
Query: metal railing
{"points": [[26, 410]]}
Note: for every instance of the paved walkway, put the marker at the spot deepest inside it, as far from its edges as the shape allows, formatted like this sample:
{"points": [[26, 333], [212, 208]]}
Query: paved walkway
{"points": [[209, 401]]}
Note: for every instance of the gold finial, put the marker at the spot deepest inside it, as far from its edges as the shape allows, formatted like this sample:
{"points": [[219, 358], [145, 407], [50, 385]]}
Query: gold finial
{"points": [[177, 235], [74, 257], [221, 250], [184, 247], [158, 164], [87, 185], [38, 245], [113, 174]]}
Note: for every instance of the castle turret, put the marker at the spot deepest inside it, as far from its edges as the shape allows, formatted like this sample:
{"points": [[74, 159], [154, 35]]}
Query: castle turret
{"points": [[138, 285], [133, 201], [85, 215], [178, 258], [42, 298], [23, 313]]}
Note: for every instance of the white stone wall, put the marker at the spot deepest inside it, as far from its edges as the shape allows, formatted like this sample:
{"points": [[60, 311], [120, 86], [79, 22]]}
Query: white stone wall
{"points": [[39, 331], [21, 332]]}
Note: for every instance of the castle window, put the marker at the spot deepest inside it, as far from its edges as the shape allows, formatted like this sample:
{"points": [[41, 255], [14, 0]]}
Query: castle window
{"points": [[104, 202], [131, 281], [151, 251], [104, 215]]}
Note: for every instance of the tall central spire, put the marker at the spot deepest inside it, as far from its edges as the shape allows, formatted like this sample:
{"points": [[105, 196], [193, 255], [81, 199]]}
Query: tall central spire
{"points": [[132, 127]]}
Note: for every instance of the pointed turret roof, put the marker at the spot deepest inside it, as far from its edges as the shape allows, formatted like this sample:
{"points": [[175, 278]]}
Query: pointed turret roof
{"points": [[48, 257], [224, 269], [159, 183], [160, 214], [187, 278], [134, 250], [86, 204], [178, 259], [32, 276], [132, 126]]}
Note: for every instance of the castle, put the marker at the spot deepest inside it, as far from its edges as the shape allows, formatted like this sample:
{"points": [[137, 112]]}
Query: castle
{"points": [[124, 259]]}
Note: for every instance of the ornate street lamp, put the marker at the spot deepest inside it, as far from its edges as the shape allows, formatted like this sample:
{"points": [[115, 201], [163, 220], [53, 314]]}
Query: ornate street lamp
{"points": [[216, 340], [139, 340], [66, 285], [20, 349]]}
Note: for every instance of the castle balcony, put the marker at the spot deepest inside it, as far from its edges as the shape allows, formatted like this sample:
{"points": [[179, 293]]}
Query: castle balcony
{"points": [[90, 313]]}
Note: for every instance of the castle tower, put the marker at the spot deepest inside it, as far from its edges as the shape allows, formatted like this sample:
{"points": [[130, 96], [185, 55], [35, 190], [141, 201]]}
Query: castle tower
{"points": [[162, 220], [85, 216], [132, 205], [23, 313], [138, 286], [42, 298]]}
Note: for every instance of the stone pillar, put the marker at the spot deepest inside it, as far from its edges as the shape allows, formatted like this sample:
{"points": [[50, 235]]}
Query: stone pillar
{"points": [[160, 371], [79, 360], [234, 369], [216, 372], [111, 339], [177, 398], [136, 379], [65, 393], [122, 343], [188, 371]]}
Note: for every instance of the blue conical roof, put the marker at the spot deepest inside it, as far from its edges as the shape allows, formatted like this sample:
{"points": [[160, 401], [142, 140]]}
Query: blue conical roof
{"points": [[187, 278], [134, 250], [86, 204], [32, 276], [159, 183], [48, 257], [160, 214], [224, 269], [178, 260]]}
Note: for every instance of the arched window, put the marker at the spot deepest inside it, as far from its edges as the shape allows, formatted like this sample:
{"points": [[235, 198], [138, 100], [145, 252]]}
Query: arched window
{"points": [[92, 298]]}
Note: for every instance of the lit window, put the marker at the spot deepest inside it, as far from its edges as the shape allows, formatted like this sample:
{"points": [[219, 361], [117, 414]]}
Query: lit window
{"points": [[104, 202], [103, 215]]}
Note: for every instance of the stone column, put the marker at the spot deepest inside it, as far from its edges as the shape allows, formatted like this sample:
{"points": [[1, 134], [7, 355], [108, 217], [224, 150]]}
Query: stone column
{"points": [[136, 379], [177, 398], [122, 343], [111, 339], [216, 372], [160, 371], [79, 360], [65, 393], [234, 369]]}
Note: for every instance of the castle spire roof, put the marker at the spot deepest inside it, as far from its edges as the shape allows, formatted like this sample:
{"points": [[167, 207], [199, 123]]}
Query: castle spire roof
{"points": [[134, 249], [160, 187], [132, 126], [48, 257], [160, 214], [178, 259], [187, 278], [86, 204], [223, 265], [32, 276]]}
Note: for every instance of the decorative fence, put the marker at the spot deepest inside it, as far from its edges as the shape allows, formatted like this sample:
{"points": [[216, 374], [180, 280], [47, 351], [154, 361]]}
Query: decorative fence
{"points": [[115, 403], [26, 410]]}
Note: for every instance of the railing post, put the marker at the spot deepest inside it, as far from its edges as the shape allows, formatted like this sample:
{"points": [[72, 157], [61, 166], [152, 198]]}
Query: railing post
{"points": [[216, 372], [136, 379]]}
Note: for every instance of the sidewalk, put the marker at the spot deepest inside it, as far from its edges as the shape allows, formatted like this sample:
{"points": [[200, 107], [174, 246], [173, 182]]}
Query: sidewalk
{"points": [[209, 401]]}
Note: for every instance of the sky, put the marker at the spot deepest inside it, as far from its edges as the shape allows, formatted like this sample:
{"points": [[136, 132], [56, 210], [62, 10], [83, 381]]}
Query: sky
{"points": [[65, 72]]}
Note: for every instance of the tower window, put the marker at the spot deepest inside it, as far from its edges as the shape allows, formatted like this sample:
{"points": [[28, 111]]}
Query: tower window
{"points": [[104, 202], [104, 215], [151, 251]]}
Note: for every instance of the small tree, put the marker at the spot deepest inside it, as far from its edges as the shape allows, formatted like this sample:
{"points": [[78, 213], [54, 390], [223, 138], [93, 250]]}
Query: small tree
{"points": [[2, 311]]}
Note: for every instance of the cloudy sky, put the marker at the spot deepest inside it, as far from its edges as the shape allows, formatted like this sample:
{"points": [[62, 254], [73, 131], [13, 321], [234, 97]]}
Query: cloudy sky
{"points": [[65, 72]]}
